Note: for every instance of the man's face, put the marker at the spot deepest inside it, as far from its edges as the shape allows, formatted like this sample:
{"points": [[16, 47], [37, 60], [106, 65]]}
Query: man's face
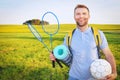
{"points": [[81, 16]]}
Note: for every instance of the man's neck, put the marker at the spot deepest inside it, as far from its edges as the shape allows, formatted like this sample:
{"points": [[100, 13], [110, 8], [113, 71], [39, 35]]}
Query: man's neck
{"points": [[83, 28]]}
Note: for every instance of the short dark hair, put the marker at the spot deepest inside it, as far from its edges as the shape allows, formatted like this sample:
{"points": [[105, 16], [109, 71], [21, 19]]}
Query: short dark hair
{"points": [[81, 6]]}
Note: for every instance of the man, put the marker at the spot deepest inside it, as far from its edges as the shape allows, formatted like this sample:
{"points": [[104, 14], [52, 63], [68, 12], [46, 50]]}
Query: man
{"points": [[84, 50]]}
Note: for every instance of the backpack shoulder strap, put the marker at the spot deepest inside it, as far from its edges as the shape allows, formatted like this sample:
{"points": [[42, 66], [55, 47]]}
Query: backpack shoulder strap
{"points": [[96, 36], [97, 39], [68, 38]]}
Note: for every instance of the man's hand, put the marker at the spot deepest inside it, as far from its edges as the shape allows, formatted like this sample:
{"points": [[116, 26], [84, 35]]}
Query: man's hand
{"points": [[52, 57], [111, 77]]}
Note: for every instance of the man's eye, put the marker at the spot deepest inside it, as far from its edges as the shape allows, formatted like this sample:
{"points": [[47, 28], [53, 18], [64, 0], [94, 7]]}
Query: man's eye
{"points": [[78, 14], [84, 13]]}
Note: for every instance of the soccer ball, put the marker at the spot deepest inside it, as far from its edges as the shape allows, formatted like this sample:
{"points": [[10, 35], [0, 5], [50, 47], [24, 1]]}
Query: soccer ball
{"points": [[100, 68]]}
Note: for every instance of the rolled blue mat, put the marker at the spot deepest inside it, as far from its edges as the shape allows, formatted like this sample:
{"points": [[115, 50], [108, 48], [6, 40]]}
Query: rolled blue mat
{"points": [[61, 52]]}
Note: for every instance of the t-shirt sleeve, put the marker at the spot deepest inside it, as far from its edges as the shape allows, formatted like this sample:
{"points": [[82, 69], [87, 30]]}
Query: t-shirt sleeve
{"points": [[104, 42]]}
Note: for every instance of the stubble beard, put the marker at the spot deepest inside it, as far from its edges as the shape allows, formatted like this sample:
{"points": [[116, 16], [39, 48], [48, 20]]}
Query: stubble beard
{"points": [[81, 25]]}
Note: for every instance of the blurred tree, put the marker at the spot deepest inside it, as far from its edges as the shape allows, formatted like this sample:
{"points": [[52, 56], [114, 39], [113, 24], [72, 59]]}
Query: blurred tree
{"points": [[36, 22]]}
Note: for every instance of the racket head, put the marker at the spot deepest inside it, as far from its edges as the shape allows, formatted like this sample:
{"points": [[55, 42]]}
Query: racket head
{"points": [[35, 32], [53, 23]]}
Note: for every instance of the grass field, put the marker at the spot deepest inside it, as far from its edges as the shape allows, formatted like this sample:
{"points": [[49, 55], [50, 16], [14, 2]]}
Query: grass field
{"points": [[23, 57]]}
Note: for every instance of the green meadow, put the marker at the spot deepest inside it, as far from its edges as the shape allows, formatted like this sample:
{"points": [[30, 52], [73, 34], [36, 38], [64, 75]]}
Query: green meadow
{"points": [[23, 57]]}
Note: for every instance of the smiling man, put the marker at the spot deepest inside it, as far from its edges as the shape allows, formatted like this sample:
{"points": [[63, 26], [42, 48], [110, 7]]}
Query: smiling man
{"points": [[84, 49]]}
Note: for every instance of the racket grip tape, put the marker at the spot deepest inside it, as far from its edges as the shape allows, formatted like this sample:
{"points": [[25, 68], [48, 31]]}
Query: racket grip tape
{"points": [[53, 64], [59, 63]]}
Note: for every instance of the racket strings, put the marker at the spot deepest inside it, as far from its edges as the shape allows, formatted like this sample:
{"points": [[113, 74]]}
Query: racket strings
{"points": [[51, 29], [53, 24]]}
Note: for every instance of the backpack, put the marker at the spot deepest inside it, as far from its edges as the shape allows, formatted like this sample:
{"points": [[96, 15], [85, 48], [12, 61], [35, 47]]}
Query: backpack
{"points": [[96, 37]]}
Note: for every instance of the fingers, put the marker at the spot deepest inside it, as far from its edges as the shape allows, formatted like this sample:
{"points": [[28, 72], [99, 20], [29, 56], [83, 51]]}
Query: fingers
{"points": [[52, 57], [110, 77]]}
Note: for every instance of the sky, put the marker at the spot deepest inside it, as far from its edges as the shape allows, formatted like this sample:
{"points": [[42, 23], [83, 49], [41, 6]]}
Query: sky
{"points": [[19, 11]]}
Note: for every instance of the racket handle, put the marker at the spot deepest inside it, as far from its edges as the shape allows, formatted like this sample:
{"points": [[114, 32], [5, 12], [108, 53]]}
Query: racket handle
{"points": [[53, 64], [59, 63]]}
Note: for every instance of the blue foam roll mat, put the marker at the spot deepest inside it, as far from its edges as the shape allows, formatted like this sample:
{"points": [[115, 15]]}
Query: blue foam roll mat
{"points": [[61, 52]]}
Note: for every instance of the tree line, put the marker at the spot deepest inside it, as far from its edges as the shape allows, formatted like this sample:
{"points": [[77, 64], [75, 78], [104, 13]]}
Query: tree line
{"points": [[36, 22]]}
